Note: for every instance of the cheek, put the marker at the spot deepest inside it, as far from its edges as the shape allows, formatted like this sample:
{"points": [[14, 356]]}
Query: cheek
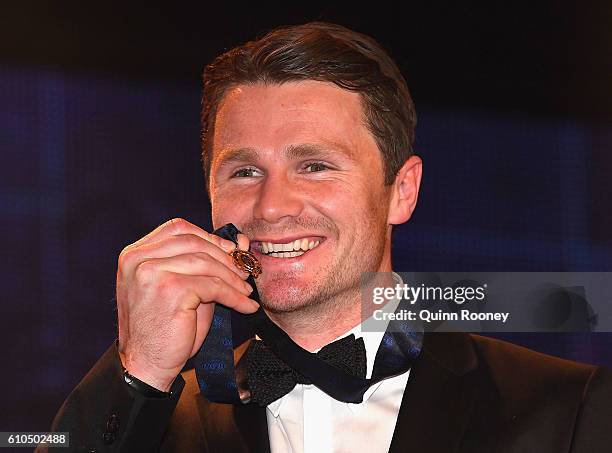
{"points": [[234, 208], [328, 197], [363, 210], [347, 204]]}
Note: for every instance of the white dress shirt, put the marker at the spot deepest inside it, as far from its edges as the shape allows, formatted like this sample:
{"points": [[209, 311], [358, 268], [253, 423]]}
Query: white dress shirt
{"points": [[307, 420]]}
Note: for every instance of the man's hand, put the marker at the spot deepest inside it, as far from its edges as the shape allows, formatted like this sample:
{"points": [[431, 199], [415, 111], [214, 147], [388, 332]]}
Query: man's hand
{"points": [[167, 286]]}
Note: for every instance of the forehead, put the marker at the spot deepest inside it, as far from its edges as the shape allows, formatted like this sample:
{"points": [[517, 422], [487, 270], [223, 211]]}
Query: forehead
{"points": [[273, 117]]}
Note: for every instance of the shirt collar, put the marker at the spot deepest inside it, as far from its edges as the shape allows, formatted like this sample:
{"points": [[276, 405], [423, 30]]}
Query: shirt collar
{"points": [[371, 341]]}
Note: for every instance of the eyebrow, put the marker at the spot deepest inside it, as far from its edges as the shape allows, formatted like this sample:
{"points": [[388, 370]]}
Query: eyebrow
{"points": [[238, 155], [313, 150], [292, 152]]}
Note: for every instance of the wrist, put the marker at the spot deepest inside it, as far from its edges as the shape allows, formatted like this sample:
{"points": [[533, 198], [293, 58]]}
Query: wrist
{"points": [[161, 384], [159, 381], [145, 389]]}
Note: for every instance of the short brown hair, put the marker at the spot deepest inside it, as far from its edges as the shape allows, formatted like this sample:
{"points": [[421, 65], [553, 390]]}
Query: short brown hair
{"points": [[324, 52]]}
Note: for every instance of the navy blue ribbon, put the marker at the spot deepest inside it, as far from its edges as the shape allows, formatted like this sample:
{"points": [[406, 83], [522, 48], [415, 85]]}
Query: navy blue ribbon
{"points": [[214, 363]]}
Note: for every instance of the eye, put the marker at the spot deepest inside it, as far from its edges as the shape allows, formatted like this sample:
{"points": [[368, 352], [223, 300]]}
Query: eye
{"points": [[248, 172], [316, 166]]}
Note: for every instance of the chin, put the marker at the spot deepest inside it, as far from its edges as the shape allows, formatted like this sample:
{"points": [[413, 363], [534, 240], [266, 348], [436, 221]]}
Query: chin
{"points": [[282, 297]]}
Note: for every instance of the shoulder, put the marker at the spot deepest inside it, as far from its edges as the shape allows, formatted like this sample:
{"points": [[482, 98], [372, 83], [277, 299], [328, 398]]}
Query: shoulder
{"points": [[506, 360], [555, 395], [529, 378]]}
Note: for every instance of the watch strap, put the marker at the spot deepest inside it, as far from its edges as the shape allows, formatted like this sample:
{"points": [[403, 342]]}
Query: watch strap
{"points": [[143, 388]]}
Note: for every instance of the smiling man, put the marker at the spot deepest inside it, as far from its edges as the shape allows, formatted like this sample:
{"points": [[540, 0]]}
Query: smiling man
{"points": [[307, 149], [311, 196]]}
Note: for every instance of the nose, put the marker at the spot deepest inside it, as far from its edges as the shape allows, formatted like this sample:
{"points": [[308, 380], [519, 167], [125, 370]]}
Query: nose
{"points": [[278, 197]]}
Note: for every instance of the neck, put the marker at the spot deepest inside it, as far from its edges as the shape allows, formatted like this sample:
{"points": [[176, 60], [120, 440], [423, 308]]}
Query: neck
{"points": [[315, 326]]}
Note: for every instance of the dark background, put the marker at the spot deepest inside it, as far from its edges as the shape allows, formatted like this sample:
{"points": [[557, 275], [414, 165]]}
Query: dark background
{"points": [[99, 137]]}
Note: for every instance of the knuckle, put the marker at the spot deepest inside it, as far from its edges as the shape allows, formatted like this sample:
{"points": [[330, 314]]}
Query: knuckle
{"points": [[193, 241], [126, 256], [145, 272], [194, 262], [178, 225], [202, 256], [216, 282], [168, 283]]}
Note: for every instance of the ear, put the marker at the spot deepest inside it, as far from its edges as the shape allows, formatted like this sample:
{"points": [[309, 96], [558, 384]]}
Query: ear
{"points": [[405, 191]]}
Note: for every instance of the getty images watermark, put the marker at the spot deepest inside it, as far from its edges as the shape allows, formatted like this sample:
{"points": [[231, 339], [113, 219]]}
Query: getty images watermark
{"points": [[458, 295], [489, 301]]}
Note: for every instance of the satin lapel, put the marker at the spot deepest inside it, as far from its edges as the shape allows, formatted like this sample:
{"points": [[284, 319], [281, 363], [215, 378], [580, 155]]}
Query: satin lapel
{"points": [[232, 428], [440, 396]]}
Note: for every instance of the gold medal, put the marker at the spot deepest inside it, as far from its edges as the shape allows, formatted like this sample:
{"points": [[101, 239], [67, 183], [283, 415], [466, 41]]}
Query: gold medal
{"points": [[246, 261]]}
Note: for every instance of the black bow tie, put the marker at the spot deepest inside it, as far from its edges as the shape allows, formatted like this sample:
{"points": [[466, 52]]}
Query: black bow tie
{"points": [[269, 378]]}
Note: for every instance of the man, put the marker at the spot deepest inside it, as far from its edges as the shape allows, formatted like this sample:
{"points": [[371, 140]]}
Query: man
{"points": [[307, 148]]}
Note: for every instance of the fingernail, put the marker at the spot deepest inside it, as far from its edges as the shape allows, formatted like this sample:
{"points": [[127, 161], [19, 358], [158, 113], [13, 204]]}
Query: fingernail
{"points": [[248, 287]]}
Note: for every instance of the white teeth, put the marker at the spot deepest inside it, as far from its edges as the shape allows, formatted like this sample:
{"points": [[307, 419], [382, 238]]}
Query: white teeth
{"points": [[295, 248], [286, 254]]}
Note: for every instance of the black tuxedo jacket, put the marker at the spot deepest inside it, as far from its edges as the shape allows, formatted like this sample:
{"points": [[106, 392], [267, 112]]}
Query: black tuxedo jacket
{"points": [[466, 393]]}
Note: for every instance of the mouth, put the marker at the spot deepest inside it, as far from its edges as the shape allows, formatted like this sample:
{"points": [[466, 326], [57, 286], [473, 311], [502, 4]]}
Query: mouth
{"points": [[283, 248]]}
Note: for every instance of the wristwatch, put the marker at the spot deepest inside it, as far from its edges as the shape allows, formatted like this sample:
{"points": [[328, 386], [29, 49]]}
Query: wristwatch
{"points": [[143, 388]]}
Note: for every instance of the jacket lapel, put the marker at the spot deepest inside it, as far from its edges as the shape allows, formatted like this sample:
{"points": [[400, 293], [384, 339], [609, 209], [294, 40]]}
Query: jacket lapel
{"points": [[440, 396]]}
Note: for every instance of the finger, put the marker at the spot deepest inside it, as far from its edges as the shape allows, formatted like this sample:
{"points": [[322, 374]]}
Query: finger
{"points": [[192, 264], [243, 242], [204, 314], [173, 246], [207, 289], [178, 226]]}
